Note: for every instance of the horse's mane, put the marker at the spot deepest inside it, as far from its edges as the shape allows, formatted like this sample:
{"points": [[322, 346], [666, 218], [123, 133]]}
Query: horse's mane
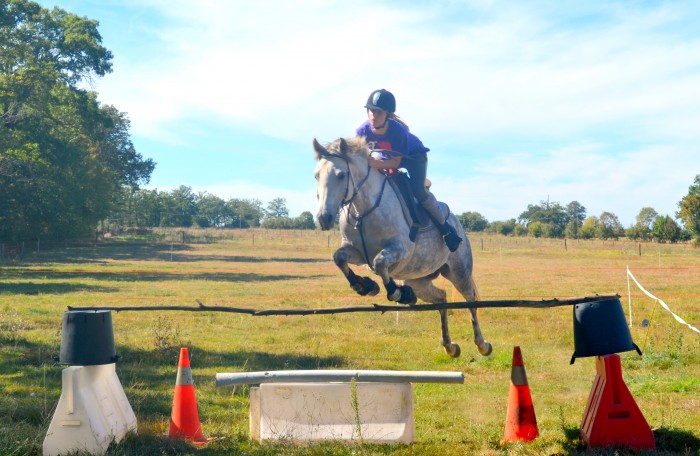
{"points": [[355, 146]]}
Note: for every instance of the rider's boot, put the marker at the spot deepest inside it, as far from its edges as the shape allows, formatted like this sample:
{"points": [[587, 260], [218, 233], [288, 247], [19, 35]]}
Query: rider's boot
{"points": [[449, 234]]}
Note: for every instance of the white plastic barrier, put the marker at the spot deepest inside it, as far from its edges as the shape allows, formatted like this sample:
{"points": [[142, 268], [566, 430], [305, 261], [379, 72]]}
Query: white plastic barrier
{"points": [[92, 412], [378, 412], [327, 405]]}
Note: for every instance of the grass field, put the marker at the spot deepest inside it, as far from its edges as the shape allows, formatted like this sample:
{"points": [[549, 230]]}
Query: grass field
{"points": [[268, 270]]}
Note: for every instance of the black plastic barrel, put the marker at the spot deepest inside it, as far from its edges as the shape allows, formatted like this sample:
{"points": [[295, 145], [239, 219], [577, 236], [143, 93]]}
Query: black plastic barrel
{"points": [[87, 338], [600, 329]]}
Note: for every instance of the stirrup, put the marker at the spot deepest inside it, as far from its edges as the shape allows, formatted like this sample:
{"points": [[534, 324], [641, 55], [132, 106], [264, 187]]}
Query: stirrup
{"points": [[452, 239]]}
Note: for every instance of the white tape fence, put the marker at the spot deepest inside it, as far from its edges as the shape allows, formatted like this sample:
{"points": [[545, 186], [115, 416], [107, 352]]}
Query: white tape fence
{"points": [[663, 304]]}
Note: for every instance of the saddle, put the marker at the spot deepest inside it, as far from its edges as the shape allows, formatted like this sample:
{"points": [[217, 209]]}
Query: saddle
{"points": [[414, 213]]}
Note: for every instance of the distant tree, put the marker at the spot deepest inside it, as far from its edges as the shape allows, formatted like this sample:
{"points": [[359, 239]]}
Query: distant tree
{"points": [[665, 229], [245, 213], [610, 226], [277, 208], [473, 221], [576, 214], [305, 221], [689, 211], [179, 207], [590, 228], [519, 229], [550, 230], [641, 230], [504, 227], [545, 212], [535, 229], [278, 223], [211, 211]]}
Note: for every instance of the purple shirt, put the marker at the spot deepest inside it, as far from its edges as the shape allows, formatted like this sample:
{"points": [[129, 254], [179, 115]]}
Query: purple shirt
{"points": [[396, 138]]}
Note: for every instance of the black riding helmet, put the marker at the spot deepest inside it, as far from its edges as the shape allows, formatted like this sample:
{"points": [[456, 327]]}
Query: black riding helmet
{"points": [[381, 99]]}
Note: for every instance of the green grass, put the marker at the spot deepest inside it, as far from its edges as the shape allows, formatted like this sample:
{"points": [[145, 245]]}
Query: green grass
{"points": [[262, 270]]}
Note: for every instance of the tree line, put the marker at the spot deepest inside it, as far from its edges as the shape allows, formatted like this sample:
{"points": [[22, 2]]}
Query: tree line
{"points": [[552, 220], [183, 207]]}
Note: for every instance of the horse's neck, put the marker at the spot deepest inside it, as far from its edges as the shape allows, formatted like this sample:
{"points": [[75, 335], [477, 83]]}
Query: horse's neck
{"points": [[369, 191]]}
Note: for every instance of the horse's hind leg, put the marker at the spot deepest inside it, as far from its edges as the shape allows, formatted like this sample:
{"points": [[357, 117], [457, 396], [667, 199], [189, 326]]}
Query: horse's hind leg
{"points": [[428, 292], [465, 285]]}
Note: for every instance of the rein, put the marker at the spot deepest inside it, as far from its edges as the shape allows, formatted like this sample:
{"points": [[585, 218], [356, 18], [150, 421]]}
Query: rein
{"points": [[359, 218]]}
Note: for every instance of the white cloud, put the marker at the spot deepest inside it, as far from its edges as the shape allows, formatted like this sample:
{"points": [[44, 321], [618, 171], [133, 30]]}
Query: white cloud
{"points": [[655, 176]]}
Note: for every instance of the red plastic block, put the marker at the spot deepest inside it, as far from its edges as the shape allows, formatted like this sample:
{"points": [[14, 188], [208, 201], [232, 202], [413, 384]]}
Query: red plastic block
{"points": [[612, 417]]}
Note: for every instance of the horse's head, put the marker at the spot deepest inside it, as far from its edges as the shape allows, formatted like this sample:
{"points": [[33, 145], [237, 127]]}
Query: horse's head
{"points": [[334, 175]]}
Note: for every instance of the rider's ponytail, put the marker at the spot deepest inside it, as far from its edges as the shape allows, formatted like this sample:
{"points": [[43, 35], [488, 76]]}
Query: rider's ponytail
{"points": [[392, 115]]}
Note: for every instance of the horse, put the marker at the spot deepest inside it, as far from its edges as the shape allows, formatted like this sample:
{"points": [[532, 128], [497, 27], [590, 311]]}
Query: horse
{"points": [[375, 233]]}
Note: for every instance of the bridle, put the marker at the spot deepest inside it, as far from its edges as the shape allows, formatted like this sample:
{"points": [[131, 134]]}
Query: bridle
{"points": [[347, 202]]}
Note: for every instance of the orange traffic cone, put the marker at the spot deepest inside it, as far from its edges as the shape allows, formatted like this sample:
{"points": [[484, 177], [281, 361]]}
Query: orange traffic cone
{"points": [[521, 424], [184, 421]]}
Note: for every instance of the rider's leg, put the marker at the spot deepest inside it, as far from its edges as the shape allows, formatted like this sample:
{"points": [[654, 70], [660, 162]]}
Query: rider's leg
{"points": [[417, 170], [450, 235]]}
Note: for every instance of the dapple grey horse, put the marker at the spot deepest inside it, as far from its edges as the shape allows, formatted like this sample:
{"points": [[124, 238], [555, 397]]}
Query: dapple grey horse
{"points": [[376, 233]]}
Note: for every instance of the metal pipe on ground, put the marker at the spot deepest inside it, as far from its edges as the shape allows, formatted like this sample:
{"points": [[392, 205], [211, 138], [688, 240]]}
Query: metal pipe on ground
{"points": [[312, 376]]}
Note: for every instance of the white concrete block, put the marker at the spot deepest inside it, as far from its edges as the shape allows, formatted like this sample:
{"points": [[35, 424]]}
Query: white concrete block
{"points": [[325, 411]]}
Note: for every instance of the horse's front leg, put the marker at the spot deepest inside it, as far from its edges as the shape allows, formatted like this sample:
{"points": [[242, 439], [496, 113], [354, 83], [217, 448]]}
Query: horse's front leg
{"points": [[364, 286], [382, 262]]}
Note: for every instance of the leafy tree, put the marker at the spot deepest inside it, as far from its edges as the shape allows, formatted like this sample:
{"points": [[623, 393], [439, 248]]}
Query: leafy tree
{"points": [[178, 208], [305, 221], [665, 229], [547, 213], [689, 211], [590, 228], [550, 230], [576, 214], [644, 222], [211, 211], [504, 227], [535, 229], [245, 213], [64, 158], [610, 226], [277, 208], [473, 221]]}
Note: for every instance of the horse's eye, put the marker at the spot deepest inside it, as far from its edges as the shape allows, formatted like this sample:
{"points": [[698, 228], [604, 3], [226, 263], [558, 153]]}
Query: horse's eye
{"points": [[341, 174]]}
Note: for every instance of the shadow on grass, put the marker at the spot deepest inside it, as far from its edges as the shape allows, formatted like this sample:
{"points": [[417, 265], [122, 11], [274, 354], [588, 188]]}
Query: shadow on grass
{"points": [[31, 288], [105, 252], [138, 276], [30, 378], [672, 441]]}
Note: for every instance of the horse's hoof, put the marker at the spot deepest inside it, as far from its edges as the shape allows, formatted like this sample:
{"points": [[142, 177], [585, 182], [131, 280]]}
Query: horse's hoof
{"points": [[453, 350], [486, 349], [395, 296], [408, 296], [372, 287]]}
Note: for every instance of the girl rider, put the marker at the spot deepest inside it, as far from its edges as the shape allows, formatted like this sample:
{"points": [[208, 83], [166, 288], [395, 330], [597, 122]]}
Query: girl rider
{"points": [[383, 129]]}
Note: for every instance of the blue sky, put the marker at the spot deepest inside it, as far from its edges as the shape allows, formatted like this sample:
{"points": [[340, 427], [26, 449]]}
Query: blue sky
{"points": [[519, 101]]}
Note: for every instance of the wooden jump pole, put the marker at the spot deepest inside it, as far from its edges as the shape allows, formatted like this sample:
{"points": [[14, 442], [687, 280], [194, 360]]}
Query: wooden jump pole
{"points": [[201, 307]]}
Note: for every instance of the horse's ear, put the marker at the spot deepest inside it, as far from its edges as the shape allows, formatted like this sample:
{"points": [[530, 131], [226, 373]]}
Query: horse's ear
{"points": [[319, 149], [343, 146]]}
